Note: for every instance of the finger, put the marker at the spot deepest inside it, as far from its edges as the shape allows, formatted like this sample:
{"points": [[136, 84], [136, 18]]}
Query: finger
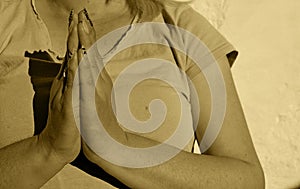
{"points": [[86, 31], [55, 99], [87, 37], [72, 47], [73, 41], [71, 70], [69, 84], [72, 44]]}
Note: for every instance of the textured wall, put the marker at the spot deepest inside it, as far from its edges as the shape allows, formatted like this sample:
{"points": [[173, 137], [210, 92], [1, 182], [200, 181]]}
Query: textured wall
{"points": [[213, 10], [267, 75]]}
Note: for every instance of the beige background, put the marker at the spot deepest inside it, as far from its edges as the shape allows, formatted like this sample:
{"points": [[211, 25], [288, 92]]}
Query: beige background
{"points": [[267, 76]]}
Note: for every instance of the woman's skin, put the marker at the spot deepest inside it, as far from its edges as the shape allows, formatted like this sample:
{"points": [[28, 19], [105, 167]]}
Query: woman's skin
{"points": [[30, 163], [231, 162], [106, 17]]}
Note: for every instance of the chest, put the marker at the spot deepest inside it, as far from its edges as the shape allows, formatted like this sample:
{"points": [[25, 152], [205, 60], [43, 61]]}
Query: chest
{"points": [[58, 28], [150, 89]]}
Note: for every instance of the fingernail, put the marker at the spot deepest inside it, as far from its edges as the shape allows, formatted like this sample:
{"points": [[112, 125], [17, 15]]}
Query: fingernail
{"points": [[71, 18], [87, 16]]}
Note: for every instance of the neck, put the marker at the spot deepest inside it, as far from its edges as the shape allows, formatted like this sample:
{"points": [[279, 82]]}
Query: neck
{"points": [[76, 5], [93, 6], [97, 8]]}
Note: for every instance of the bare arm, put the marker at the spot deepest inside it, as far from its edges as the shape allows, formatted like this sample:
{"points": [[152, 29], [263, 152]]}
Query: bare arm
{"points": [[27, 164], [188, 170], [31, 162], [231, 161]]}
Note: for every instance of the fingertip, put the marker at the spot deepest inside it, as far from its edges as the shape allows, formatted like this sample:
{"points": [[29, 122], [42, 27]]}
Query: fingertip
{"points": [[86, 31], [84, 26], [81, 15], [84, 15]]}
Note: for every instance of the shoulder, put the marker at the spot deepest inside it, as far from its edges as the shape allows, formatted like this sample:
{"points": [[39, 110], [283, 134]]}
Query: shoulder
{"points": [[8, 5], [182, 15], [11, 10], [16, 16], [14, 10]]}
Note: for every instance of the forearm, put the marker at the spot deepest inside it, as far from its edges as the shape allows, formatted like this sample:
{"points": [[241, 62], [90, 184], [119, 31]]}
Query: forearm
{"points": [[27, 164], [188, 170]]}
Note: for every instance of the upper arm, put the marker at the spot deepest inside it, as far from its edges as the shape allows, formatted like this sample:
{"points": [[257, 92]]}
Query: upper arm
{"points": [[233, 140]]}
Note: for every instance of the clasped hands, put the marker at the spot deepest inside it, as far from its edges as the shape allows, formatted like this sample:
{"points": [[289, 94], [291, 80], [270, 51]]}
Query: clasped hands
{"points": [[61, 137]]}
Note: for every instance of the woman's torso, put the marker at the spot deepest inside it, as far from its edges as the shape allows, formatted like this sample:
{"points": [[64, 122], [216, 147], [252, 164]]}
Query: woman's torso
{"points": [[27, 31]]}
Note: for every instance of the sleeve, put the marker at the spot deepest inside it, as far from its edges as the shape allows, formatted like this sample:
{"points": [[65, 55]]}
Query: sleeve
{"points": [[213, 43], [9, 15], [16, 115]]}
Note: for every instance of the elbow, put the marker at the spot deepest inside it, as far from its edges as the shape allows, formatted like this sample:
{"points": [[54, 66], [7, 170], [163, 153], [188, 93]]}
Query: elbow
{"points": [[261, 177], [258, 177]]}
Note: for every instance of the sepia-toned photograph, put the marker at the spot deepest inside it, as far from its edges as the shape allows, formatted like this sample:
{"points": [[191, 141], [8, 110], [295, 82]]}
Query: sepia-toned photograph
{"points": [[149, 94]]}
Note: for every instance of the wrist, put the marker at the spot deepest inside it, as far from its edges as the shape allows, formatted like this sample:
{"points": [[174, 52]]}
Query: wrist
{"points": [[48, 151]]}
